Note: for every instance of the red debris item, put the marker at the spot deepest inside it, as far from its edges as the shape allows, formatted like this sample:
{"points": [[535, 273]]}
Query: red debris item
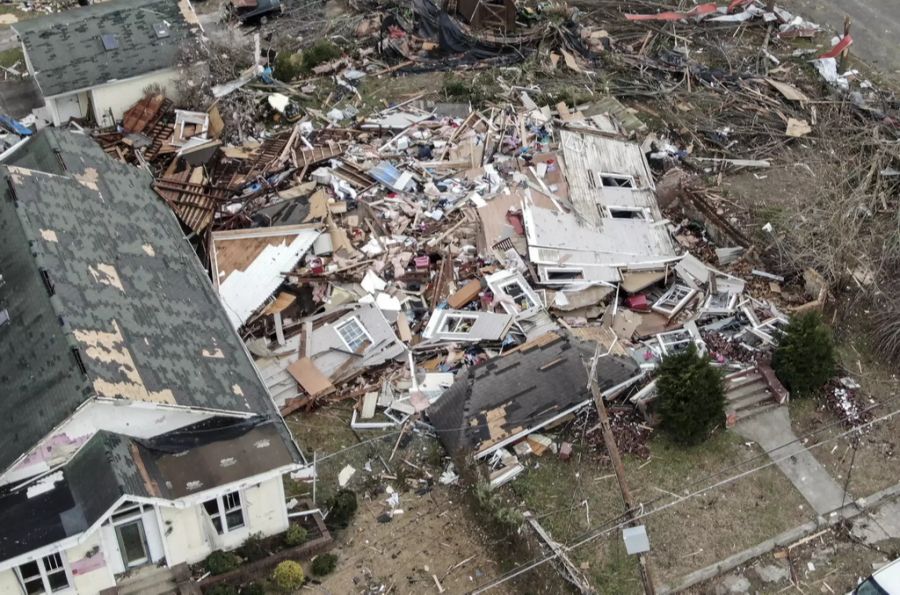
{"points": [[422, 262], [738, 3], [565, 451], [638, 303], [697, 11], [842, 45], [514, 218]]}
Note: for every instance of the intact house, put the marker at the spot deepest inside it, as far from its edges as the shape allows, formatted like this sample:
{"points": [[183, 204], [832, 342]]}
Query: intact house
{"points": [[134, 428], [96, 61], [601, 222]]}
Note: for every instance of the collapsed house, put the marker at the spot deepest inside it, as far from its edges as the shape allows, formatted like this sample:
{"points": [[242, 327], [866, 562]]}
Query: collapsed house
{"points": [[136, 430], [498, 403], [613, 226], [96, 61]]}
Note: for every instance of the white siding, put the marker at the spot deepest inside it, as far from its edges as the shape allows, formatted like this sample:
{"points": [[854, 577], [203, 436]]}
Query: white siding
{"points": [[90, 569], [186, 539], [9, 583], [119, 96], [62, 107], [266, 512]]}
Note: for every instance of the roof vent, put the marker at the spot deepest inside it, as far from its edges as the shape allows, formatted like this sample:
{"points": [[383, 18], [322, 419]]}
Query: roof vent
{"points": [[162, 29], [110, 41]]}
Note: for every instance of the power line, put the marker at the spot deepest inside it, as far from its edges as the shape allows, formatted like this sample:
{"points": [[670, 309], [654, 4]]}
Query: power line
{"points": [[599, 533]]}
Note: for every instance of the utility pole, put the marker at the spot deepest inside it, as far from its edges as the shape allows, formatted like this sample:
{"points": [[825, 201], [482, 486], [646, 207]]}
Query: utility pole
{"points": [[613, 449]]}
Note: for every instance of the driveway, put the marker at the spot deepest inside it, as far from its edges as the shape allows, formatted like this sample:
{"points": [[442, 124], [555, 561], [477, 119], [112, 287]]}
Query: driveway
{"points": [[875, 29]]}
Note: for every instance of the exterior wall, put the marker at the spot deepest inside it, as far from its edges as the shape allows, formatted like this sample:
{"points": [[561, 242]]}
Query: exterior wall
{"points": [[185, 535], [9, 583], [87, 567], [266, 511], [137, 421], [190, 535], [59, 113], [90, 566], [119, 96]]}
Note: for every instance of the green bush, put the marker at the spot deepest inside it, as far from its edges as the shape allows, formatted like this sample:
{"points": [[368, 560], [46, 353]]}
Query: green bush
{"points": [[253, 549], [342, 507], [691, 396], [288, 576], [222, 590], [507, 517], [804, 359], [295, 535], [253, 589], [288, 66], [324, 564], [220, 562], [321, 52]]}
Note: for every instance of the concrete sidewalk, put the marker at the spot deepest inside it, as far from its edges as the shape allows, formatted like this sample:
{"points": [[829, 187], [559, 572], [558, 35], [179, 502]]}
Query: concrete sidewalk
{"points": [[772, 431]]}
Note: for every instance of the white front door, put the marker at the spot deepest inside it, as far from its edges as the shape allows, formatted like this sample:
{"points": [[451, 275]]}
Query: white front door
{"points": [[68, 107]]}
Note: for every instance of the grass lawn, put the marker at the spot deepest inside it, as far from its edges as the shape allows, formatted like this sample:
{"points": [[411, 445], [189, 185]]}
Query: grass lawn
{"points": [[877, 464], [9, 57], [685, 537]]}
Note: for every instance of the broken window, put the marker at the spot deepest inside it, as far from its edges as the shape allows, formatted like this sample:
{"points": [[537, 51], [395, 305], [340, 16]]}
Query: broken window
{"points": [[627, 213], [674, 341], [513, 288], [353, 334], [457, 324], [616, 181], [564, 274], [45, 575], [672, 301], [226, 512]]}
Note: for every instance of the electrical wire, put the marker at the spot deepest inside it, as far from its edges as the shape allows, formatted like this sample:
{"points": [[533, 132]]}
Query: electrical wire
{"points": [[644, 514]]}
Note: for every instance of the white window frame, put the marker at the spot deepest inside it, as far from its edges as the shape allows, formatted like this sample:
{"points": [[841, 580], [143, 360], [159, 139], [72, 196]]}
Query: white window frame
{"points": [[643, 213], [625, 177], [526, 291], [44, 573], [578, 272], [448, 317], [223, 509], [349, 321]]}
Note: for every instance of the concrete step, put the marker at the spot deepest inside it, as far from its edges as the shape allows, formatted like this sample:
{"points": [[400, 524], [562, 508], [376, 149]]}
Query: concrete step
{"points": [[734, 382], [751, 400], [149, 581], [750, 412], [746, 389]]}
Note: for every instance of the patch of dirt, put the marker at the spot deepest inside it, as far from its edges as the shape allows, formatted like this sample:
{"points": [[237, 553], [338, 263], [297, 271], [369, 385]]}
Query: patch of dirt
{"points": [[431, 537]]}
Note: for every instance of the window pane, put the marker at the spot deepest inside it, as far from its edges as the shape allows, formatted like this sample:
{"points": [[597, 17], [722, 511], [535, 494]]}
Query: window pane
{"points": [[232, 500], [58, 580], [211, 506], [34, 586], [52, 562], [29, 570], [217, 523], [235, 519]]}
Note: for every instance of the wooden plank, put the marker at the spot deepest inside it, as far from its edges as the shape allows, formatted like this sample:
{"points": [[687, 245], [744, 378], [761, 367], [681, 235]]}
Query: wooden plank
{"points": [[310, 378]]}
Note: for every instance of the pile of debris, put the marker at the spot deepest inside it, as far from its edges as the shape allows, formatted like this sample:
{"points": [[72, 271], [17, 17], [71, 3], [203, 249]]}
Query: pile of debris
{"points": [[407, 258]]}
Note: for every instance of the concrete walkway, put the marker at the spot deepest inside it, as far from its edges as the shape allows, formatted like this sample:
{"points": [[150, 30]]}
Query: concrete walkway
{"points": [[772, 431]]}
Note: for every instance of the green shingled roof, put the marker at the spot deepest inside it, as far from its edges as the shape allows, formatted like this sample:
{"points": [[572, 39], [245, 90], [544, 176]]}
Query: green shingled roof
{"points": [[67, 50], [127, 292]]}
